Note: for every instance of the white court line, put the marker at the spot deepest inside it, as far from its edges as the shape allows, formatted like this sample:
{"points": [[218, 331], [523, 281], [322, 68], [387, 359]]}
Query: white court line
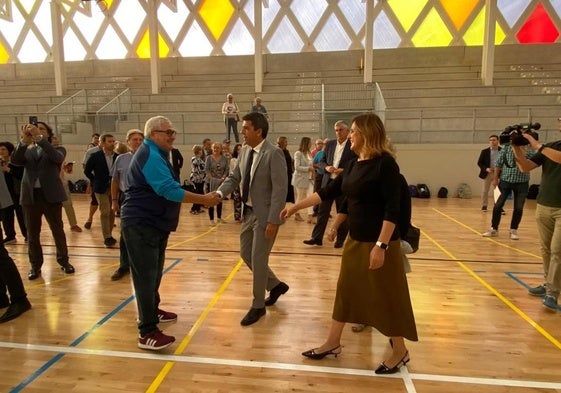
{"points": [[407, 377]]}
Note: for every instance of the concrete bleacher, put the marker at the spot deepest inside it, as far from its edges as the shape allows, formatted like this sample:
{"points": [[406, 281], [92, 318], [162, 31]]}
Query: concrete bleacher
{"points": [[433, 96]]}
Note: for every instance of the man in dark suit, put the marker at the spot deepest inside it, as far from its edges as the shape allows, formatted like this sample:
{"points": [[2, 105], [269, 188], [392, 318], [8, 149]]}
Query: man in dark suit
{"points": [[337, 153], [42, 193], [486, 163], [97, 170], [261, 176], [176, 160]]}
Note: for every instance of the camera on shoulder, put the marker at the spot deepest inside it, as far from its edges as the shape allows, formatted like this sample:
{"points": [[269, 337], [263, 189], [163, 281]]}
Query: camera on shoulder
{"points": [[513, 134]]}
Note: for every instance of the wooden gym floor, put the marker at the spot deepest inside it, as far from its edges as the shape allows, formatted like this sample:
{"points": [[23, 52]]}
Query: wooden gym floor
{"points": [[478, 327]]}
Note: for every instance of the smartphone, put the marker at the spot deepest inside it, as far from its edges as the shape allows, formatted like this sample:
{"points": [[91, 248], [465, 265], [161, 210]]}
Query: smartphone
{"points": [[33, 120]]}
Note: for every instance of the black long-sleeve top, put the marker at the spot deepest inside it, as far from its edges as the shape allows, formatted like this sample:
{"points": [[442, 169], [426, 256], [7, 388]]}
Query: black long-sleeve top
{"points": [[372, 189]]}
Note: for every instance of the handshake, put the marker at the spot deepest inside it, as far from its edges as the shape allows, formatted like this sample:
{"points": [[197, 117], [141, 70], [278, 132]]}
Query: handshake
{"points": [[210, 199]]}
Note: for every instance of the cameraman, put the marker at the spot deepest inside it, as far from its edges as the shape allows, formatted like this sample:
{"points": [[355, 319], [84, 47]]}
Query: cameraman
{"points": [[548, 214], [509, 178]]}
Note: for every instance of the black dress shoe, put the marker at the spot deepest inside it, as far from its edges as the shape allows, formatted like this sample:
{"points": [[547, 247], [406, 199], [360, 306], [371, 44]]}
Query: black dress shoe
{"points": [[34, 274], [275, 293], [252, 316], [312, 354], [15, 310], [68, 268], [313, 242], [383, 369], [338, 245]]}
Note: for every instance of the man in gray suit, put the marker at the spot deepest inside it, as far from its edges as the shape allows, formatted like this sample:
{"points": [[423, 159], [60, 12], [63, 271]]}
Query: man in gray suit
{"points": [[42, 193], [261, 175]]}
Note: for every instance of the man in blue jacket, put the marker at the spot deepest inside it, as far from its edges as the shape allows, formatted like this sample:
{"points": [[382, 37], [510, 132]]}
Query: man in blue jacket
{"points": [[149, 213]]}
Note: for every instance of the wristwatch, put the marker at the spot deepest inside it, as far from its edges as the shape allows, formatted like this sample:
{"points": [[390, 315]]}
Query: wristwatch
{"points": [[383, 246]]}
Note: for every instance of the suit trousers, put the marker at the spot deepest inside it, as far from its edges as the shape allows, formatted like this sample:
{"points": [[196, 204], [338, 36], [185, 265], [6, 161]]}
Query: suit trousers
{"points": [[9, 276], [69, 207], [107, 216], [255, 250], [33, 220], [486, 186], [8, 220], [146, 247], [549, 228], [323, 218]]}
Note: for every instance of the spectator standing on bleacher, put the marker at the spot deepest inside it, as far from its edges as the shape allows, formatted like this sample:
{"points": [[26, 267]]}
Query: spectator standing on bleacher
{"points": [[259, 107], [231, 117]]}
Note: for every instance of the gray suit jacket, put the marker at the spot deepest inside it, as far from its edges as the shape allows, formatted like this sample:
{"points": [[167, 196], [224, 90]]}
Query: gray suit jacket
{"points": [[268, 185], [45, 167]]}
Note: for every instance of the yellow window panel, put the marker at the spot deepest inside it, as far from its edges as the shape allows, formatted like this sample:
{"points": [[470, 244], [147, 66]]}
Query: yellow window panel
{"points": [[216, 14], [458, 11], [407, 11], [474, 35], [4, 55], [432, 32], [143, 49]]}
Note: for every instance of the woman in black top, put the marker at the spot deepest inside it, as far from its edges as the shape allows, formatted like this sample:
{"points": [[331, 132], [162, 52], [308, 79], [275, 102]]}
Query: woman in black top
{"points": [[372, 287]]}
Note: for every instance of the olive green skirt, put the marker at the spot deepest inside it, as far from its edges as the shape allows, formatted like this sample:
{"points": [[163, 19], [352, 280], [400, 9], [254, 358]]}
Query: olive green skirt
{"points": [[377, 298]]}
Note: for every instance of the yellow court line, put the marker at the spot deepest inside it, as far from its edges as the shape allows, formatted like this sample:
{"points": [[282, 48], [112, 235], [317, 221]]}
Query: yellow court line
{"points": [[478, 278], [487, 238], [168, 366], [209, 230]]}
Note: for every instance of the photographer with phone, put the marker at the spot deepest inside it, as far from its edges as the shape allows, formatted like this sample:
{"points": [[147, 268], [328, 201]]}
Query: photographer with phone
{"points": [[42, 193], [548, 213]]}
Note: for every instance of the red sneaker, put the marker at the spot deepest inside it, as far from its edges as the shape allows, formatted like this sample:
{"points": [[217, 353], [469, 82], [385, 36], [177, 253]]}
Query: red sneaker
{"points": [[165, 316], [155, 341]]}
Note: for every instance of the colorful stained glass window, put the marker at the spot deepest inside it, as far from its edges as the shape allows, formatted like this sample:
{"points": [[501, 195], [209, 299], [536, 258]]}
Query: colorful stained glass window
{"points": [[225, 27], [539, 28]]}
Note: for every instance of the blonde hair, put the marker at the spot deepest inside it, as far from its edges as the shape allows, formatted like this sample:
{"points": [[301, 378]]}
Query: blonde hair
{"points": [[121, 148], [376, 142], [197, 149]]}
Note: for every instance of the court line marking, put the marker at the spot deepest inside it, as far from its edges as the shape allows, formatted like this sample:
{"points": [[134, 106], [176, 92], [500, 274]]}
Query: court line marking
{"points": [[486, 238], [284, 366], [198, 323], [77, 341], [519, 281], [491, 289]]}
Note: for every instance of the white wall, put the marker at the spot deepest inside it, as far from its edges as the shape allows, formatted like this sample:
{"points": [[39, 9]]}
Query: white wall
{"points": [[440, 165]]}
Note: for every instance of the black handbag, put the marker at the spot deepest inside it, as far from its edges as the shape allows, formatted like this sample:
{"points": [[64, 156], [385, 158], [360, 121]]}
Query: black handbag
{"points": [[412, 237]]}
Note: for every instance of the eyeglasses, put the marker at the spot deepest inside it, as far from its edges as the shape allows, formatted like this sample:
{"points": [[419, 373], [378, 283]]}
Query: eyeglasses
{"points": [[168, 132]]}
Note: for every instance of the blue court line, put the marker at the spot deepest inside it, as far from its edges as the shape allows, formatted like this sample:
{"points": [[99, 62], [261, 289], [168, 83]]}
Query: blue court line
{"points": [[512, 275], [76, 342]]}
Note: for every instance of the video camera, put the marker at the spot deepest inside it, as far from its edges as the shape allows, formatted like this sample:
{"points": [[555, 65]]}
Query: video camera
{"points": [[513, 134]]}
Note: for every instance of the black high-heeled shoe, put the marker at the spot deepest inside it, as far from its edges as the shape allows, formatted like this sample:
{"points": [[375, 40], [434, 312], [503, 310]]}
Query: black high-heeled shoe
{"points": [[383, 369], [312, 354]]}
